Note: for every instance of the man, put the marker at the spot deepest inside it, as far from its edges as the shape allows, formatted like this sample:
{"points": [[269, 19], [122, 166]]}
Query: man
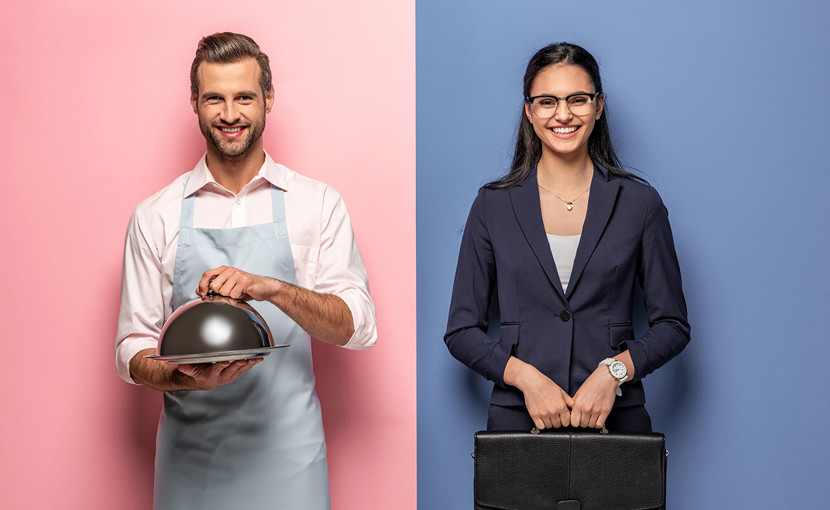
{"points": [[242, 434]]}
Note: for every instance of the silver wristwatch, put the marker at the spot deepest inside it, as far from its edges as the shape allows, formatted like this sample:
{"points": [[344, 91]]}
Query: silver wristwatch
{"points": [[618, 371]]}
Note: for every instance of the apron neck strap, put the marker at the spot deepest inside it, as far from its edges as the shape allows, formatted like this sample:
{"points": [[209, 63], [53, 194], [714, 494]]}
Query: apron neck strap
{"points": [[277, 203]]}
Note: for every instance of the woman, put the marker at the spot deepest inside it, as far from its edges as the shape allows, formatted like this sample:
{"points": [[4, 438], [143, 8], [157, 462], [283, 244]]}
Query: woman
{"points": [[559, 243]]}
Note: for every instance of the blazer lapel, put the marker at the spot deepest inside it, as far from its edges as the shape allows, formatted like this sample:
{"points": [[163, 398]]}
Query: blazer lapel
{"points": [[600, 204], [525, 199]]}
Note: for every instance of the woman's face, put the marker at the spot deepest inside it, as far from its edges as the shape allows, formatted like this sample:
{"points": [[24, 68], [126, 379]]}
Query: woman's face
{"points": [[564, 132]]}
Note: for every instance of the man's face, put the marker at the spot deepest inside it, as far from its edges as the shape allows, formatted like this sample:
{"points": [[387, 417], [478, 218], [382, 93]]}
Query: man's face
{"points": [[231, 106]]}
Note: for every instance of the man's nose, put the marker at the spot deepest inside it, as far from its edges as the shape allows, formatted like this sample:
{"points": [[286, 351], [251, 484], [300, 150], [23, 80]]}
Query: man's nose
{"points": [[230, 113]]}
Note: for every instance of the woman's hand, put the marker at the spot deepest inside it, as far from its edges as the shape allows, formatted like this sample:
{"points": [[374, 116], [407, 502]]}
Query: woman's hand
{"points": [[594, 399], [547, 403]]}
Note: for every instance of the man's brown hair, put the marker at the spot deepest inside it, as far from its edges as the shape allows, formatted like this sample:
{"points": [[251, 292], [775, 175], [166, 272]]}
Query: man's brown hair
{"points": [[229, 48]]}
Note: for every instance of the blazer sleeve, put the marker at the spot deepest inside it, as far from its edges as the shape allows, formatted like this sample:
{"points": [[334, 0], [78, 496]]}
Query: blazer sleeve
{"points": [[659, 276], [475, 283]]}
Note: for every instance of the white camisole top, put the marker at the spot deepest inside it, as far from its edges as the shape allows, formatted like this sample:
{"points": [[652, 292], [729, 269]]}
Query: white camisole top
{"points": [[563, 249]]}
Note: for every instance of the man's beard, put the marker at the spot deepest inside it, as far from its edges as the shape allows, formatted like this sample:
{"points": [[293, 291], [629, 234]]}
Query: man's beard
{"points": [[232, 148]]}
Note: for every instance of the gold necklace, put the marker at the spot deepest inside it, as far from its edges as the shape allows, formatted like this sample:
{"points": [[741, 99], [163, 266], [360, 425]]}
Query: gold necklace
{"points": [[568, 204]]}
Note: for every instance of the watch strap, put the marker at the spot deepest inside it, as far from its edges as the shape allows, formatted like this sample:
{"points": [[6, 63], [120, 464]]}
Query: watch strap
{"points": [[608, 362]]}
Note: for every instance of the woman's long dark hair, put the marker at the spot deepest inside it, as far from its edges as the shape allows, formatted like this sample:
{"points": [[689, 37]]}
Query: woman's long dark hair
{"points": [[529, 147]]}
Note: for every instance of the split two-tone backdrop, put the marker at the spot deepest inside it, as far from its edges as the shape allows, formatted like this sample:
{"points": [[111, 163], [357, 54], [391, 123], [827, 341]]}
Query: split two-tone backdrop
{"points": [[719, 105]]}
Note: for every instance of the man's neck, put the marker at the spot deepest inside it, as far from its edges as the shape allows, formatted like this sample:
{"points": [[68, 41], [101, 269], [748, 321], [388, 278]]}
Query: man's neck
{"points": [[234, 173]]}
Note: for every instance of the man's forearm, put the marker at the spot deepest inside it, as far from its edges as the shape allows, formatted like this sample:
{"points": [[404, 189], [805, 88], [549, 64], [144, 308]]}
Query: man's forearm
{"points": [[324, 316], [156, 374]]}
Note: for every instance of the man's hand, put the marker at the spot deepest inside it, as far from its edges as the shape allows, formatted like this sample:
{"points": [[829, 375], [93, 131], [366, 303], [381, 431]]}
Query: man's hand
{"points": [[593, 400], [237, 284], [326, 317], [168, 377], [206, 376]]}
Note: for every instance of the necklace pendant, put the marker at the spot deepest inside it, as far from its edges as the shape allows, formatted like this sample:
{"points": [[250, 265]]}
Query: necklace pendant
{"points": [[570, 206]]}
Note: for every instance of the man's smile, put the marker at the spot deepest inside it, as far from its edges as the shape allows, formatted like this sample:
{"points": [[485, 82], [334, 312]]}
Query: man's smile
{"points": [[231, 132]]}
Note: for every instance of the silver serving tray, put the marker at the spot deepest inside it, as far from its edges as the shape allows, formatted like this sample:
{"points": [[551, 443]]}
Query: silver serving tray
{"points": [[215, 357]]}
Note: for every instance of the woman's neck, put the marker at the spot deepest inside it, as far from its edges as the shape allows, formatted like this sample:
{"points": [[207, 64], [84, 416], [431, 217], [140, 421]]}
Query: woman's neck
{"points": [[564, 172]]}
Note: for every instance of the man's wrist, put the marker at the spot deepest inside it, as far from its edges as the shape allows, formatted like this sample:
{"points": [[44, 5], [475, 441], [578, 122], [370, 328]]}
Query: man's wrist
{"points": [[275, 289]]}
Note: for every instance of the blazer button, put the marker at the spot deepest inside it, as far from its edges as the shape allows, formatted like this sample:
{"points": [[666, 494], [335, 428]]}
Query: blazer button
{"points": [[565, 316]]}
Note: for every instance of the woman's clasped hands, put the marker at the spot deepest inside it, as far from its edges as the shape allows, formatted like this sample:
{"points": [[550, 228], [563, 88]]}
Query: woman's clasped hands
{"points": [[550, 406]]}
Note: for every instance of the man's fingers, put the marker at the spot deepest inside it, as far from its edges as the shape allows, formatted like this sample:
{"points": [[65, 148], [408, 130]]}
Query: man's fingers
{"points": [[239, 368], [186, 369], [211, 280]]}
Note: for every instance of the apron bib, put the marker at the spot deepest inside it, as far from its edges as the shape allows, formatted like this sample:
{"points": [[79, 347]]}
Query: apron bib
{"points": [[256, 443]]}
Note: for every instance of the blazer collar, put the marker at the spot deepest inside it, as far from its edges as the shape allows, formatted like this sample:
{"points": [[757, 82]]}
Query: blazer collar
{"points": [[525, 199]]}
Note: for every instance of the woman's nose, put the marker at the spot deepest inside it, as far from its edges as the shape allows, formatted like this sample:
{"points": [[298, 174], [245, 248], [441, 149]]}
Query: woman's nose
{"points": [[562, 112]]}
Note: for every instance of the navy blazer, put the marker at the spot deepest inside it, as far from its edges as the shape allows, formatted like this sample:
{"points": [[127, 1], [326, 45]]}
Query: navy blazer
{"points": [[626, 238]]}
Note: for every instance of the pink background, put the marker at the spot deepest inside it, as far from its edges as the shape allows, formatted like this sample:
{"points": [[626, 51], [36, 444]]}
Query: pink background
{"points": [[94, 98]]}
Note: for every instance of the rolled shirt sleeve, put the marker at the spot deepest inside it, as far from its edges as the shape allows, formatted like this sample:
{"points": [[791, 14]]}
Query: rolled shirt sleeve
{"points": [[142, 301], [341, 271]]}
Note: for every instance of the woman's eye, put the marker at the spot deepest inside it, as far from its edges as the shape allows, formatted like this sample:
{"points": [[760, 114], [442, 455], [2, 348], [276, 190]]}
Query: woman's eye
{"points": [[579, 100], [547, 103]]}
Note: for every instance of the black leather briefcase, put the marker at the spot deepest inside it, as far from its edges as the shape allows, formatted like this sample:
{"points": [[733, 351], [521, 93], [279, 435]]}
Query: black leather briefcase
{"points": [[569, 470]]}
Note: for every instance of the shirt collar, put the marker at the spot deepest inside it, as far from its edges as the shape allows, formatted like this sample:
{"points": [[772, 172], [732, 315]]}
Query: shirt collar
{"points": [[272, 172]]}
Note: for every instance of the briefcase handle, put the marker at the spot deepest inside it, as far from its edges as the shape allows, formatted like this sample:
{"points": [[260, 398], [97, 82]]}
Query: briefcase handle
{"points": [[534, 430]]}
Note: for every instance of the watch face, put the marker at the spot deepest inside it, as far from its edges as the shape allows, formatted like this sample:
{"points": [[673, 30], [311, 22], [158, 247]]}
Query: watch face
{"points": [[618, 369]]}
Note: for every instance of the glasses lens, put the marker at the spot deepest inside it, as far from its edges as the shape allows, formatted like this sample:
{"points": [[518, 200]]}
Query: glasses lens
{"points": [[580, 104], [544, 107]]}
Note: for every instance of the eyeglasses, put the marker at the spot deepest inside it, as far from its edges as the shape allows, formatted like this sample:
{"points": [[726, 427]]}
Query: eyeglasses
{"points": [[544, 106]]}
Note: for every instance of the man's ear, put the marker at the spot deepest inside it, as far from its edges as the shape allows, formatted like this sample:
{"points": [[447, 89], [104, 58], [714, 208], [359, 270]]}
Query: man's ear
{"points": [[193, 103], [269, 100]]}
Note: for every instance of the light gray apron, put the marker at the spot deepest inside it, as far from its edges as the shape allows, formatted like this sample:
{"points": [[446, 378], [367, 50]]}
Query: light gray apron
{"points": [[256, 443]]}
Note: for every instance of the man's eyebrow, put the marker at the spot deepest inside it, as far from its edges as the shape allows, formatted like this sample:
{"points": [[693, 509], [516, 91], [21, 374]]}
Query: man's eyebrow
{"points": [[209, 93]]}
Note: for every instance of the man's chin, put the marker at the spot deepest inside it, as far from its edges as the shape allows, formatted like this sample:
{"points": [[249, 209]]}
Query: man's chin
{"points": [[232, 151]]}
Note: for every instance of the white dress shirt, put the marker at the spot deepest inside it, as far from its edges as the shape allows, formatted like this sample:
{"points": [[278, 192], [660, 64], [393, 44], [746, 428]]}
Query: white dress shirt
{"points": [[325, 253]]}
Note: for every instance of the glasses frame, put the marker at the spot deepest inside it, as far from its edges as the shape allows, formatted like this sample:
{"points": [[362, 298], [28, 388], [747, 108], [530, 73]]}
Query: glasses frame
{"points": [[530, 99]]}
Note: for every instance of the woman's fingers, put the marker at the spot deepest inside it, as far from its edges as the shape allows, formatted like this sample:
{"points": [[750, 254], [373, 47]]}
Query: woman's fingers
{"points": [[545, 402], [594, 399]]}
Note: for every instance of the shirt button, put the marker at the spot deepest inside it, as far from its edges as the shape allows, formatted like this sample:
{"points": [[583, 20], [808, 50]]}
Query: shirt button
{"points": [[565, 316], [238, 201]]}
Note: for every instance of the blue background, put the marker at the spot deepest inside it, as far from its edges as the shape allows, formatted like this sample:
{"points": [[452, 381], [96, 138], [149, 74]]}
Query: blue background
{"points": [[723, 107]]}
